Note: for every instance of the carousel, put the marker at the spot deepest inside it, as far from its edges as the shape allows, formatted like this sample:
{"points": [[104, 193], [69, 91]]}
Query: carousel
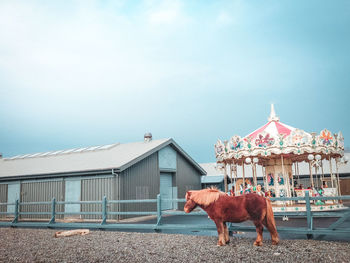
{"points": [[278, 150]]}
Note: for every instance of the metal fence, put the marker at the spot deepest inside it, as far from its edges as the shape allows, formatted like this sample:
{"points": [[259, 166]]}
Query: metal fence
{"points": [[310, 230]]}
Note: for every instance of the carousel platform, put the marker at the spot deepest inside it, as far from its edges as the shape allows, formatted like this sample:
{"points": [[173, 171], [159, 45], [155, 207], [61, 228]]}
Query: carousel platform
{"points": [[314, 207]]}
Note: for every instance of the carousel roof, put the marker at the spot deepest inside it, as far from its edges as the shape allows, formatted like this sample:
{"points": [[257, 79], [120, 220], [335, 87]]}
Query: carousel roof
{"points": [[276, 138], [274, 128]]}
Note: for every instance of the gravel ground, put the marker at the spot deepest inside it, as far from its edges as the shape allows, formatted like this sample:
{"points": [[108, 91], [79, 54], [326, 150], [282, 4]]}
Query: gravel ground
{"points": [[40, 245]]}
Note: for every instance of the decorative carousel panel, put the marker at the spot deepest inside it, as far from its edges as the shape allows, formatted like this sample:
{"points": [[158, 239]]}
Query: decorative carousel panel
{"points": [[264, 140], [236, 143], [281, 140], [219, 148], [248, 144], [326, 138], [260, 152], [298, 138], [340, 140]]}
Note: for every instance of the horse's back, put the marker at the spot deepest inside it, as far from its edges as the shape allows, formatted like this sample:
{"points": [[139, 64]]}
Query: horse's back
{"points": [[255, 205]]}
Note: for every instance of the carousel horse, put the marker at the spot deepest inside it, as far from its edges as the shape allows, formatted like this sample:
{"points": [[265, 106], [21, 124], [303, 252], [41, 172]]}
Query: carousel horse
{"points": [[222, 208]]}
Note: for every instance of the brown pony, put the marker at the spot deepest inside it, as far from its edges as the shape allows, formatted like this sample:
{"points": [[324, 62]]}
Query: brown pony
{"points": [[222, 208]]}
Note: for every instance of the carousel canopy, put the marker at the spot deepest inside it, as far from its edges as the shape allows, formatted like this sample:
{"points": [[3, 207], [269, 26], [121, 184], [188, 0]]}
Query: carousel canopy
{"points": [[277, 138], [274, 128]]}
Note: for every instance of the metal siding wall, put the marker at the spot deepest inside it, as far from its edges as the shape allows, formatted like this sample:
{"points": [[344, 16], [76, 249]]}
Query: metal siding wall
{"points": [[187, 178], [95, 190], [143, 173], [41, 192], [345, 186], [3, 198]]}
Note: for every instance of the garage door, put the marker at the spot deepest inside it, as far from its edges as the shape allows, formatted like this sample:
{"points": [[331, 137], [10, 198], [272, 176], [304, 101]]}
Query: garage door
{"points": [[13, 194], [166, 190]]}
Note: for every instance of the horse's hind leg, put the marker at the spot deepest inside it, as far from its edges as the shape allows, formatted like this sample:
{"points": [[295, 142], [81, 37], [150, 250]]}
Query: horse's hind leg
{"points": [[227, 237], [259, 231], [271, 226]]}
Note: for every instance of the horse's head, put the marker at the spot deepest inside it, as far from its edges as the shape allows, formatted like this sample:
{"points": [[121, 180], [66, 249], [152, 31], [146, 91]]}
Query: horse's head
{"points": [[190, 204]]}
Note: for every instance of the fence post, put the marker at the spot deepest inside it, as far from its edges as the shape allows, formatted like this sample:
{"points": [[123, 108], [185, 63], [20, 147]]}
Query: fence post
{"points": [[159, 209], [308, 214], [15, 220], [104, 210], [53, 211]]}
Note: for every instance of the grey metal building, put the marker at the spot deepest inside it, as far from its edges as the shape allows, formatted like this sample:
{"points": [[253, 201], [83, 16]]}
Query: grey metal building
{"points": [[129, 171]]}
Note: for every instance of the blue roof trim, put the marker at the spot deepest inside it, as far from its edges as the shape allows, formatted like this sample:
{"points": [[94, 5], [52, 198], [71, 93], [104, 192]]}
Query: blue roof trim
{"points": [[212, 179]]}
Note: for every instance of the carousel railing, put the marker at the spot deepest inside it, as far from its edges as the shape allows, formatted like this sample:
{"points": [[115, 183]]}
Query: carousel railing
{"points": [[13, 218]]}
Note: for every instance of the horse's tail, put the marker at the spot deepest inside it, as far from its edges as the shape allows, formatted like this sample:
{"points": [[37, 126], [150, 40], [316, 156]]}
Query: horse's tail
{"points": [[270, 222]]}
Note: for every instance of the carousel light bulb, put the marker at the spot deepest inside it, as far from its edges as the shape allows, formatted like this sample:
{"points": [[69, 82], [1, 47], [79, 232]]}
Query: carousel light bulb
{"points": [[345, 159], [248, 160], [255, 160], [310, 157], [318, 157]]}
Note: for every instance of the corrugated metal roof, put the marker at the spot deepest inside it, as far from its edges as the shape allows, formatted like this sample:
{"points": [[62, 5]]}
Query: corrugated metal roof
{"points": [[113, 156], [212, 179], [212, 170]]}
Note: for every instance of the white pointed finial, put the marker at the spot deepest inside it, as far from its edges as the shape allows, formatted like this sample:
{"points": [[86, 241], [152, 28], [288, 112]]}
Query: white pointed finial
{"points": [[273, 116]]}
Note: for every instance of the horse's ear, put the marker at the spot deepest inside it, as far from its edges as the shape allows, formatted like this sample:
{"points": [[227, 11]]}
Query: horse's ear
{"points": [[188, 195]]}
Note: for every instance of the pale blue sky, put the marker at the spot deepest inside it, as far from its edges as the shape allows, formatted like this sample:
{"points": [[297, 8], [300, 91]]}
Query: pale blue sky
{"points": [[84, 73]]}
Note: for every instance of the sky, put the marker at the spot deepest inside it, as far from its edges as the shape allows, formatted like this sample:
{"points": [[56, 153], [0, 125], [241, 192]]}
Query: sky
{"points": [[86, 73]]}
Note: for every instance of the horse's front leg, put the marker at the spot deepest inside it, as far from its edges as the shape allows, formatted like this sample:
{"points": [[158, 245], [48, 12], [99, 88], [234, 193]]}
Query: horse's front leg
{"points": [[259, 230], [227, 237], [221, 233]]}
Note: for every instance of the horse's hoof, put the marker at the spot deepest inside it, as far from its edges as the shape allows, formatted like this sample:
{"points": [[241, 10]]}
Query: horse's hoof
{"points": [[258, 244], [275, 242]]}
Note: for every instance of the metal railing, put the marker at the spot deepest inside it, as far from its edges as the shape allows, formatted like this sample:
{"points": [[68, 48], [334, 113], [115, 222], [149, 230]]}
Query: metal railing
{"points": [[333, 229]]}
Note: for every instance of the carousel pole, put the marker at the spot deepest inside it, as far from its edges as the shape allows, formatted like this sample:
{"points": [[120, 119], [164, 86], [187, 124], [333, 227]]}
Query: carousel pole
{"points": [[293, 186], [225, 177], [255, 178], [331, 170], [231, 172], [316, 175], [253, 173], [336, 167], [298, 173], [283, 170], [322, 170], [264, 176], [311, 179], [311, 157], [295, 171], [235, 177], [243, 176]]}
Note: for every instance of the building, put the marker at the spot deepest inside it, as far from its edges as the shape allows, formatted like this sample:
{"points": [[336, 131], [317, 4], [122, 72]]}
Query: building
{"points": [[214, 177], [139, 170]]}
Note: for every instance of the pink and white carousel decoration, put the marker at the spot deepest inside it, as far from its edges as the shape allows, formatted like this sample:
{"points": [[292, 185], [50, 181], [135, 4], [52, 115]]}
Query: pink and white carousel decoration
{"points": [[279, 149]]}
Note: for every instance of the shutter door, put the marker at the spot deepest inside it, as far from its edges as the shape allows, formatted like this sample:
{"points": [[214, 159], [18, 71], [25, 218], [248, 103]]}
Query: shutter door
{"points": [[166, 190]]}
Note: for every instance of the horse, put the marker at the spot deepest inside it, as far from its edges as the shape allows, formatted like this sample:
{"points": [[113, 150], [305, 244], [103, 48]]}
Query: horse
{"points": [[222, 208]]}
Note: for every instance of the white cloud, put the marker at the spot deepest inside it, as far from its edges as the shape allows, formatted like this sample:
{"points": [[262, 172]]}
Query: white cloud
{"points": [[166, 13], [92, 60], [224, 19]]}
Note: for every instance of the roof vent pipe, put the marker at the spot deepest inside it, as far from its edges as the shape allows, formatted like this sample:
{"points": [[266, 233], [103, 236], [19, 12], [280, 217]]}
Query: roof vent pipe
{"points": [[148, 137]]}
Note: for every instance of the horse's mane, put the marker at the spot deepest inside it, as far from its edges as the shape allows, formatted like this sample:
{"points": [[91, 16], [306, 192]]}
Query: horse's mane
{"points": [[206, 196]]}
